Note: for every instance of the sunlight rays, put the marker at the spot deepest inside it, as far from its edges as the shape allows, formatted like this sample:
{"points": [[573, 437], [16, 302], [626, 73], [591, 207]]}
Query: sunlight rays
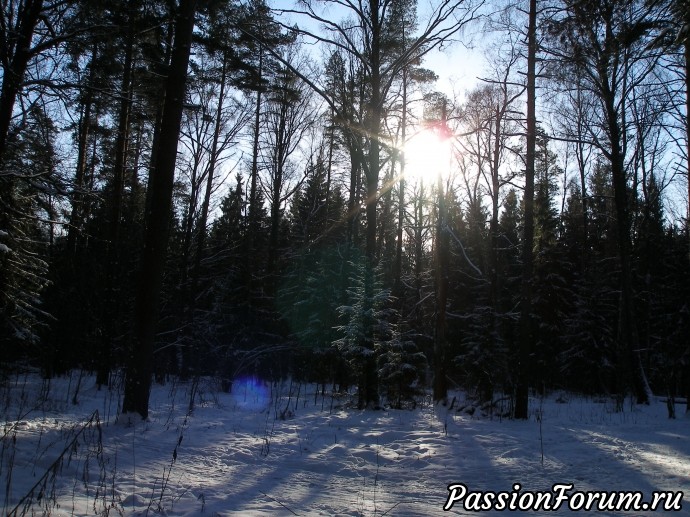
{"points": [[427, 156]]}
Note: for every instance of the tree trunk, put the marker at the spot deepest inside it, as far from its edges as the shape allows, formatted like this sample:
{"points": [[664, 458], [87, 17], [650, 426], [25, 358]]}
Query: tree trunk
{"points": [[353, 192], [165, 65], [440, 387], [493, 225], [583, 187], [203, 216], [369, 387], [13, 73], [526, 331], [278, 166], [629, 372], [397, 265], [629, 366], [418, 250], [686, 48], [329, 168], [77, 216], [253, 195], [112, 289], [139, 368]]}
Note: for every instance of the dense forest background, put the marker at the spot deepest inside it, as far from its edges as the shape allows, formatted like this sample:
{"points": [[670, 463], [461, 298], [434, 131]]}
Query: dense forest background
{"points": [[220, 187]]}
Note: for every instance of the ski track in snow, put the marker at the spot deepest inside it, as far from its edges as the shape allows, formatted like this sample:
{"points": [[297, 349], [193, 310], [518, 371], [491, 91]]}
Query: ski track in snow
{"points": [[236, 458]]}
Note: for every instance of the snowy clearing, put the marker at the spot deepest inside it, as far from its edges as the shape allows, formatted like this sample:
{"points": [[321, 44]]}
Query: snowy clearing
{"points": [[287, 450]]}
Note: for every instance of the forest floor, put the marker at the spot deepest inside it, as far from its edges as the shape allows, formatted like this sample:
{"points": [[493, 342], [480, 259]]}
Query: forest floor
{"points": [[287, 450]]}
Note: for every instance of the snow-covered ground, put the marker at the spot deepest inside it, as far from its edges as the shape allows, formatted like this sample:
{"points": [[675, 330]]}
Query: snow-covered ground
{"points": [[287, 450]]}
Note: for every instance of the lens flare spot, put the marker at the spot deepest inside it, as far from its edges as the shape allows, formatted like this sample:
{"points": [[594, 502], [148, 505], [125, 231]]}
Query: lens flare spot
{"points": [[250, 392]]}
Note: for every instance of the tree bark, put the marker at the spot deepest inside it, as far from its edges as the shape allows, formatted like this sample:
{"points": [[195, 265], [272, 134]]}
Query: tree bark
{"points": [[278, 171], [493, 225], [253, 194], [629, 367], [115, 203], [162, 172], [526, 331], [686, 49], [369, 389], [579, 148], [628, 338], [77, 216], [397, 265], [440, 387], [13, 75]]}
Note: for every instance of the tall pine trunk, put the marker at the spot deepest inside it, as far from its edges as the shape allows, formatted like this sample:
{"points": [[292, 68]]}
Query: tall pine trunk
{"points": [[253, 192], [686, 49], [629, 367], [581, 163], [75, 228], [397, 264], [369, 389], [162, 174], [115, 203], [493, 224], [526, 330], [19, 39], [278, 173], [629, 374], [440, 384]]}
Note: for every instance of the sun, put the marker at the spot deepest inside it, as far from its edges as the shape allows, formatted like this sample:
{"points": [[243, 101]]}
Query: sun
{"points": [[426, 156]]}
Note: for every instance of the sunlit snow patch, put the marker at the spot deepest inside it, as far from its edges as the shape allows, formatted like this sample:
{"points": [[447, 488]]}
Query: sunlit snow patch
{"points": [[250, 392]]}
